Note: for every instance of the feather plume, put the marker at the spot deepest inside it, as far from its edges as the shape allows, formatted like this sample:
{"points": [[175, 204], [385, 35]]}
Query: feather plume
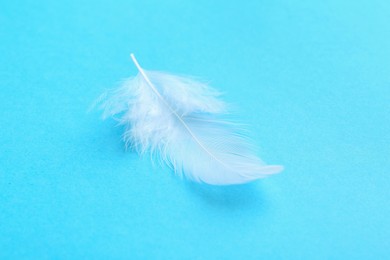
{"points": [[180, 122]]}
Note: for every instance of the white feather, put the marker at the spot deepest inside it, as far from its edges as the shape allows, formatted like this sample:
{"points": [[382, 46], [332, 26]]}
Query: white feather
{"points": [[178, 120]]}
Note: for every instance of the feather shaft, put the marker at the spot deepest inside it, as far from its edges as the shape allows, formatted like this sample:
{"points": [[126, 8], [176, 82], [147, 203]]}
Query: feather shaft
{"points": [[150, 84]]}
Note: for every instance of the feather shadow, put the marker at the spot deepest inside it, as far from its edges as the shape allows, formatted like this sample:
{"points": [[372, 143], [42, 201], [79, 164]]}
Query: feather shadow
{"points": [[245, 197]]}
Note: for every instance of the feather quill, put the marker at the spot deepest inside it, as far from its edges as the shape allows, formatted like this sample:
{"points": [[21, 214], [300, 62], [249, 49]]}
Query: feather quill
{"points": [[180, 122]]}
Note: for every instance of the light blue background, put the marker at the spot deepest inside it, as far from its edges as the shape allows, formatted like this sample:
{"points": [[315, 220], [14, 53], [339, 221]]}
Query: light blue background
{"points": [[312, 78]]}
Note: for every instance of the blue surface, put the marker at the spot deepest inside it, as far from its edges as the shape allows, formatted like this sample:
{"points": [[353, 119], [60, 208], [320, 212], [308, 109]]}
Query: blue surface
{"points": [[312, 78]]}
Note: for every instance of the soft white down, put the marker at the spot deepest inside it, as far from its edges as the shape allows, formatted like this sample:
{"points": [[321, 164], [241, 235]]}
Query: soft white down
{"points": [[179, 121]]}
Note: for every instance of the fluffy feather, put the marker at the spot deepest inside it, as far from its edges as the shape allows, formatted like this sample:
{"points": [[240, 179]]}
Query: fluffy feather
{"points": [[179, 121]]}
